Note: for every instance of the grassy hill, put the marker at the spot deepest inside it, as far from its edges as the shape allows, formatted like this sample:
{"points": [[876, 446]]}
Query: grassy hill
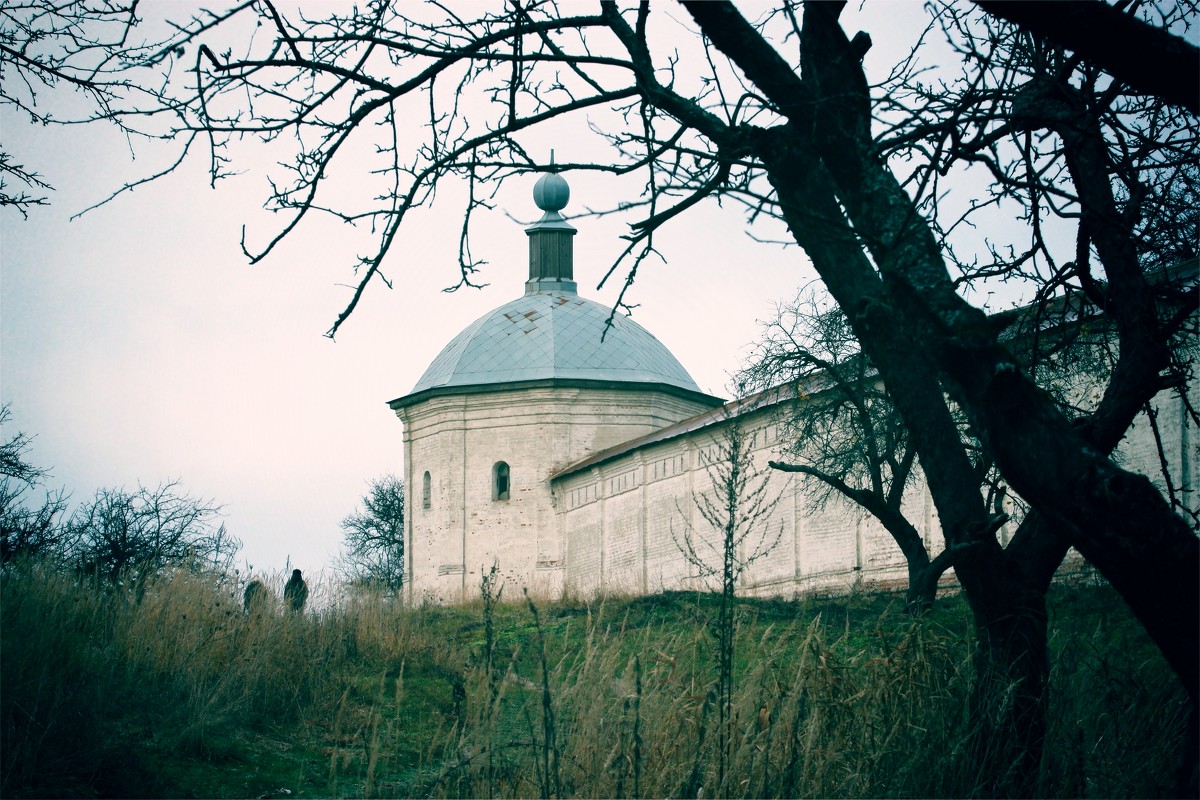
{"points": [[180, 694]]}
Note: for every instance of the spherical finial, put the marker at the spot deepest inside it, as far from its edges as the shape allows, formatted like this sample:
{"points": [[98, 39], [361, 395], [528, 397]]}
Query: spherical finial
{"points": [[551, 192]]}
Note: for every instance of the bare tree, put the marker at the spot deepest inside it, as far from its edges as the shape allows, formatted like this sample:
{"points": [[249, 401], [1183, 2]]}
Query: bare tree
{"points": [[841, 429], [26, 532], [1147, 57], [129, 537], [49, 47], [31, 532], [737, 510], [12, 453], [1062, 141], [820, 150], [373, 553]]}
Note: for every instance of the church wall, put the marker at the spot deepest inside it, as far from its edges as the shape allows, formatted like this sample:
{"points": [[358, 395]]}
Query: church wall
{"points": [[1180, 445], [459, 439], [778, 570], [668, 484], [434, 556], [624, 550], [617, 525], [583, 550]]}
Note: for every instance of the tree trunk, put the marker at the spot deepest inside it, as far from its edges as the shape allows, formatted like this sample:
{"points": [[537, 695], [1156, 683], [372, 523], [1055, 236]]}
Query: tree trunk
{"points": [[923, 582], [1008, 701], [1117, 519], [1009, 695], [1012, 670], [837, 197], [922, 590]]}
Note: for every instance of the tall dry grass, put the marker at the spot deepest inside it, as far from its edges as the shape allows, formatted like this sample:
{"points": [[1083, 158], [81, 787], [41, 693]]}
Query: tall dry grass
{"points": [[111, 695], [820, 709], [636, 716], [99, 687]]}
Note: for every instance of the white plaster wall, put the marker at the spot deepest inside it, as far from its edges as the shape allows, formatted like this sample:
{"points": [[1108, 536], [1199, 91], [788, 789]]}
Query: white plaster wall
{"points": [[617, 525], [536, 431], [647, 496], [1180, 447], [625, 520]]}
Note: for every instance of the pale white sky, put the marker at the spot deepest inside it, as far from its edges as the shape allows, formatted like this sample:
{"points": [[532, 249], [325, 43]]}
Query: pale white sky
{"points": [[138, 345]]}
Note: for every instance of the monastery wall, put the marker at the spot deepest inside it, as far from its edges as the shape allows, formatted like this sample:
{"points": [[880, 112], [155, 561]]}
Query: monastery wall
{"points": [[1180, 446], [555, 440], [627, 523], [624, 520]]}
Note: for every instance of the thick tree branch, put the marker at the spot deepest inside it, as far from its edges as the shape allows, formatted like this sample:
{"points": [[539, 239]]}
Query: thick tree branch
{"points": [[1147, 58]]}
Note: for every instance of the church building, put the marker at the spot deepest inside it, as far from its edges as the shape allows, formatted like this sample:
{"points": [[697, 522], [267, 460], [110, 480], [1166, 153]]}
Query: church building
{"points": [[567, 446]]}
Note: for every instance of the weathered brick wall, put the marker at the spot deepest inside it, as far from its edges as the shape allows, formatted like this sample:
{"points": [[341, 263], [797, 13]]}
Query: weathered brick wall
{"points": [[459, 439], [648, 495], [619, 525], [1180, 447], [623, 545]]}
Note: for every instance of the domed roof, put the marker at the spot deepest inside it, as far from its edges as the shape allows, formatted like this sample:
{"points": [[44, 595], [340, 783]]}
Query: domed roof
{"points": [[553, 335]]}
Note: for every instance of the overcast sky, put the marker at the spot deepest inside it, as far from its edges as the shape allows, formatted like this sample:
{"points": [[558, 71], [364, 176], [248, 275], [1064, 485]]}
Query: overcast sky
{"points": [[138, 345]]}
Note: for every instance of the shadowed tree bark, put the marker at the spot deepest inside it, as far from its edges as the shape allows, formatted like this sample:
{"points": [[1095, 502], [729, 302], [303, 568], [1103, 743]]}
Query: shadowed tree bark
{"points": [[828, 164], [1149, 59]]}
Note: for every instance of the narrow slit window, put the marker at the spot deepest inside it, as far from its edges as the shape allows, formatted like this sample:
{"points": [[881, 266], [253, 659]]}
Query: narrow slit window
{"points": [[426, 490], [500, 486]]}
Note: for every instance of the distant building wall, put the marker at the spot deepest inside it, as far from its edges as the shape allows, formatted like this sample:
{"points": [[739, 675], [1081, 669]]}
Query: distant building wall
{"points": [[622, 518], [1139, 450], [615, 524]]}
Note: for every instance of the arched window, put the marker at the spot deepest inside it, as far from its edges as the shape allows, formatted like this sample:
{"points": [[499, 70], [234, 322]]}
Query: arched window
{"points": [[500, 481], [426, 490]]}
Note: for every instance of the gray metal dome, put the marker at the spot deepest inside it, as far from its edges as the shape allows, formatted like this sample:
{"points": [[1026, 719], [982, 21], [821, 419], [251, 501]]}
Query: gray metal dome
{"points": [[553, 335]]}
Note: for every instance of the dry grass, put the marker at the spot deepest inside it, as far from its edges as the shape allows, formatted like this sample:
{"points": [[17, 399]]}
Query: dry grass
{"points": [[180, 693], [810, 717]]}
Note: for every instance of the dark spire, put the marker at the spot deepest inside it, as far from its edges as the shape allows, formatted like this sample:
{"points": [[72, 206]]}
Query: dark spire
{"points": [[551, 267]]}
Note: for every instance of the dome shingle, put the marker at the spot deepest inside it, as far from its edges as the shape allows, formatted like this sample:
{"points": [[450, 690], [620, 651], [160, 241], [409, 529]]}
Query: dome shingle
{"points": [[553, 335]]}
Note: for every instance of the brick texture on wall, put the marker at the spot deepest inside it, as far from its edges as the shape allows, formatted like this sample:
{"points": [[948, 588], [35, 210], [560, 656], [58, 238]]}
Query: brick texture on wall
{"points": [[617, 525]]}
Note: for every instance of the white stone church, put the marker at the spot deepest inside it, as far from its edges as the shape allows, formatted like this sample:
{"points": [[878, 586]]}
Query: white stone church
{"points": [[570, 453]]}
